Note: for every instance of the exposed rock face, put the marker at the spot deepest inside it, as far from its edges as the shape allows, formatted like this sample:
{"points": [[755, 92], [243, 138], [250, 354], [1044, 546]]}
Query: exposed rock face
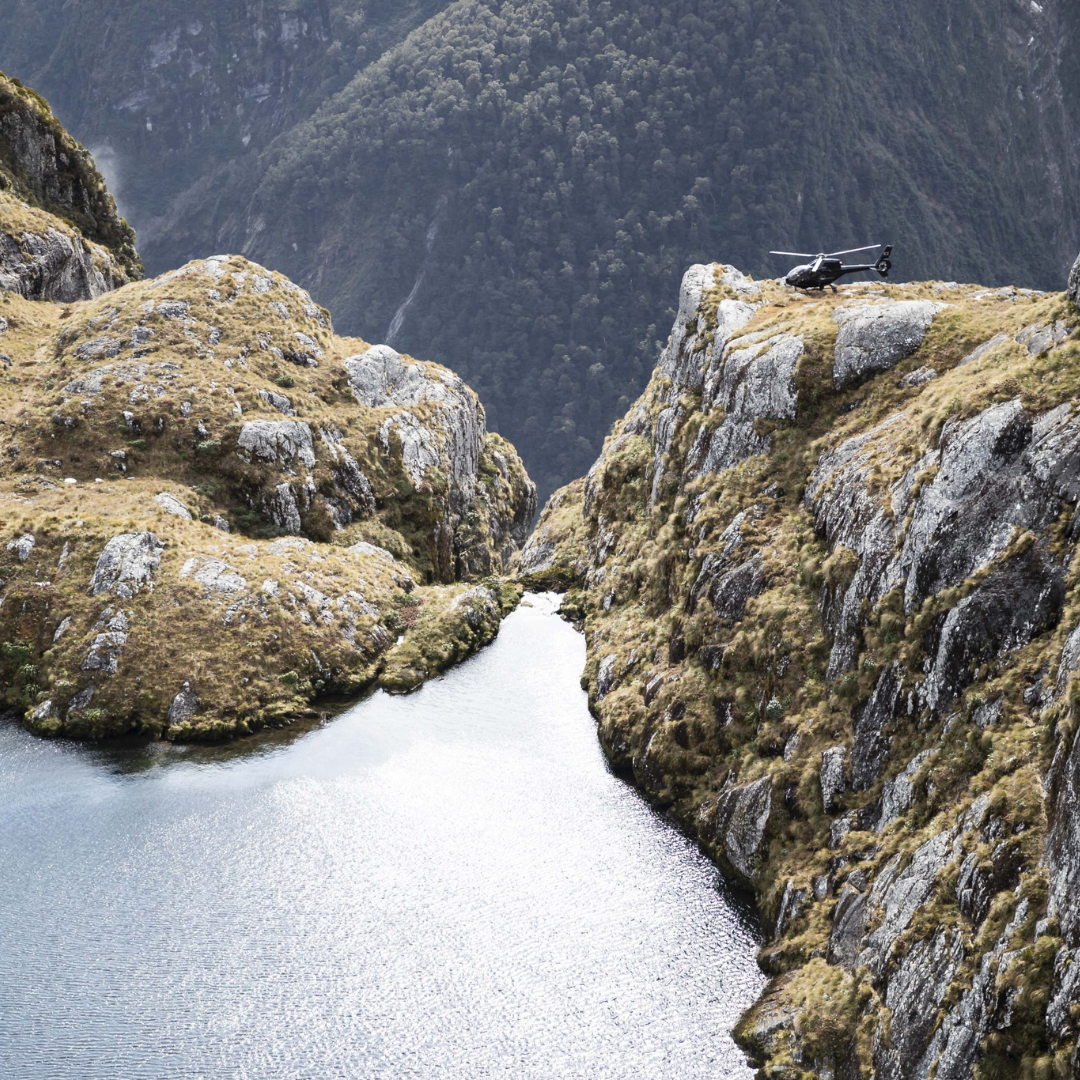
{"points": [[380, 378], [874, 338], [848, 929], [736, 823], [437, 425], [993, 478], [1073, 290], [870, 607], [681, 363], [54, 265], [60, 236], [747, 386], [127, 564], [832, 776], [278, 442]]}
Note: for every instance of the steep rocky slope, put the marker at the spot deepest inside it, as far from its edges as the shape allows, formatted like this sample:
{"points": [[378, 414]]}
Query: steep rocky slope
{"points": [[60, 235], [825, 566], [213, 510]]}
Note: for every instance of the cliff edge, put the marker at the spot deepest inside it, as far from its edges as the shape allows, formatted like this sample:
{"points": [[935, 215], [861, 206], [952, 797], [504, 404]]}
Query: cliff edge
{"points": [[61, 237], [826, 570]]}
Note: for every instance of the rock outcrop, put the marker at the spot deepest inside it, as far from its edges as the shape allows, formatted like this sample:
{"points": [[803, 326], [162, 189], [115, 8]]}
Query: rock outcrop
{"points": [[189, 553], [875, 337], [825, 567], [60, 235]]}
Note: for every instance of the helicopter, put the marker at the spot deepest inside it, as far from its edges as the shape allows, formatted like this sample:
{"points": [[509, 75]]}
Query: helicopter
{"points": [[825, 269]]}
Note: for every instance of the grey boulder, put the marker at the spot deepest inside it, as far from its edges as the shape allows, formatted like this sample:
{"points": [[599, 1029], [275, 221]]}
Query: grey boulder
{"points": [[876, 337], [126, 564]]}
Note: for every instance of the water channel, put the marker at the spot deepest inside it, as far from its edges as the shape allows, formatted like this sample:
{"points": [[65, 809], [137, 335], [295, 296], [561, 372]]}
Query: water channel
{"points": [[449, 884]]}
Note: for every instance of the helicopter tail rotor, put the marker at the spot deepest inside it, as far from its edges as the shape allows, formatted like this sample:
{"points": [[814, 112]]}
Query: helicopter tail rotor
{"points": [[884, 264]]}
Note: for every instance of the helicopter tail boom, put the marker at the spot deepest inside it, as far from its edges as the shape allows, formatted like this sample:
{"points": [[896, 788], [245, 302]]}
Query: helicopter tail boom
{"points": [[884, 264]]}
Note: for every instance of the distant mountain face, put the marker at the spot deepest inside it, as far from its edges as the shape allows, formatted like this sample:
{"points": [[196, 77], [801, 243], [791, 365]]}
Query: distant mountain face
{"points": [[516, 187]]}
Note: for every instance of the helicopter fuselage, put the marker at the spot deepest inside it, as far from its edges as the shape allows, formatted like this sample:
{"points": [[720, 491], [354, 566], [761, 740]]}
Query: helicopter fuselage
{"points": [[822, 273]]}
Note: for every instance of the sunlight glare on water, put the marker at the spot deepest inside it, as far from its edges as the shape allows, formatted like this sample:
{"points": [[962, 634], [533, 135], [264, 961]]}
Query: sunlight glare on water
{"points": [[449, 884]]}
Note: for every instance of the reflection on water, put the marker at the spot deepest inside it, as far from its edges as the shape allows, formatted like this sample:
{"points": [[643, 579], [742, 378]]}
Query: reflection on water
{"points": [[445, 885]]}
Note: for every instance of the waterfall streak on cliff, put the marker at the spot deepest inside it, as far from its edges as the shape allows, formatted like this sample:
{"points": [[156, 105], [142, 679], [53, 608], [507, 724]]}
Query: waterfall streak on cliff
{"points": [[399, 316]]}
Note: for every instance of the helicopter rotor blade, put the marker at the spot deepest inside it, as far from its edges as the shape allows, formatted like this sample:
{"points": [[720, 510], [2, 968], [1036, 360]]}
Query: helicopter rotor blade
{"points": [[853, 251], [795, 254]]}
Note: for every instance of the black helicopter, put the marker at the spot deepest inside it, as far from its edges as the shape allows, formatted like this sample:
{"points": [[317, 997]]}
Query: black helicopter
{"points": [[825, 269]]}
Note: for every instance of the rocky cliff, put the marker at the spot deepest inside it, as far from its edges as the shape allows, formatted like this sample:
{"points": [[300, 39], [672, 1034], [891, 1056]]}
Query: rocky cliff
{"points": [[60, 235], [215, 511], [825, 567]]}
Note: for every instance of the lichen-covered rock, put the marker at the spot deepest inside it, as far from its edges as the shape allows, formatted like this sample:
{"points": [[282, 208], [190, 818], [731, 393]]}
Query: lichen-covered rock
{"points": [[848, 928], [381, 377], [172, 505], [914, 995], [870, 750], [215, 575], [53, 264], [881, 583], [748, 385], [1073, 289], [898, 794], [831, 776], [22, 546], [127, 564], [736, 824], [873, 338], [278, 442], [183, 708], [900, 894]]}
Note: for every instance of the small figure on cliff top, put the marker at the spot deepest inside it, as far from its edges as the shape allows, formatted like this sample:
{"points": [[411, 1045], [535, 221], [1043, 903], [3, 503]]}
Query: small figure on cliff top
{"points": [[825, 269]]}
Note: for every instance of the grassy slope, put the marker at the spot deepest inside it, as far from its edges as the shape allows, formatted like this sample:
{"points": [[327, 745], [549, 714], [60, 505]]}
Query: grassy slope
{"points": [[259, 654]]}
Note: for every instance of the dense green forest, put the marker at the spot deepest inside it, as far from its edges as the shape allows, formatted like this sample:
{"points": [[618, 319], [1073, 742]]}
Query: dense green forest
{"points": [[537, 174]]}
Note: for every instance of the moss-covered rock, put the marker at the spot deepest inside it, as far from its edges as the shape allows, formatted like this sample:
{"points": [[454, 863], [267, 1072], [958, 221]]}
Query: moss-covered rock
{"points": [[213, 510], [831, 626]]}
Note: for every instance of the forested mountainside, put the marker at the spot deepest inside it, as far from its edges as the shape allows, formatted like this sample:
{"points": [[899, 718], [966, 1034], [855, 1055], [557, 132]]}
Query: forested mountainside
{"points": [[214, 511], [827, 571], [535, 174]]}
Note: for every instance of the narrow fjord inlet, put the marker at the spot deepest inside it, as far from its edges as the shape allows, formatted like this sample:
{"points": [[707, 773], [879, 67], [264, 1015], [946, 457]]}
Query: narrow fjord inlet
{"points": [[449, 884]]}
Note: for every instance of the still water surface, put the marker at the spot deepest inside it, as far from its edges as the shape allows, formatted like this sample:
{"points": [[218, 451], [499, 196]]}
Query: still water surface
{"points": [[445, 885]]}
